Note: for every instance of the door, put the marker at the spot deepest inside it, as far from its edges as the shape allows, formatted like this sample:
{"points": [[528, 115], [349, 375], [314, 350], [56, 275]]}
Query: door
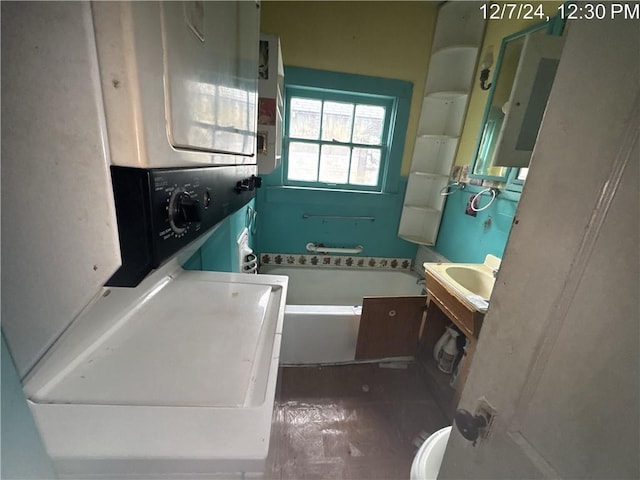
{"points": [[389, 326], [558, 355]]}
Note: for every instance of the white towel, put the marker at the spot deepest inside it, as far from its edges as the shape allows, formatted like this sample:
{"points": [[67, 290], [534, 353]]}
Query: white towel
{"points": [[479, 302]]}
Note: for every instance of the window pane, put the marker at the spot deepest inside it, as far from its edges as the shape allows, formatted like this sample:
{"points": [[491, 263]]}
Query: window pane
{"points": [[305, 118], [365, 166], [368, 124], [303, 162], [334, 164], [336, 121]]}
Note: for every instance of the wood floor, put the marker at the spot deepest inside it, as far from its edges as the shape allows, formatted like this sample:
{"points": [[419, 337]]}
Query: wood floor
{"points": [[349, 422]]}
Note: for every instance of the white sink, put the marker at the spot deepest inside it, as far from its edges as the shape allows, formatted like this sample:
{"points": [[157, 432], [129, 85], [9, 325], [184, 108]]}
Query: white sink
{"points": [[476, 281], [468, 280]]}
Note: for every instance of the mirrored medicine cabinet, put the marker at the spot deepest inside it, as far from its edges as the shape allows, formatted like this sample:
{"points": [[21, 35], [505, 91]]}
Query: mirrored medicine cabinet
{"points": [[524, 73]]}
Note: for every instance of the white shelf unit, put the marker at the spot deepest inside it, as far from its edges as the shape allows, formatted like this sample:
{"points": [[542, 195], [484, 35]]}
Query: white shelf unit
{"points": [[450, 70], [456, 45]]}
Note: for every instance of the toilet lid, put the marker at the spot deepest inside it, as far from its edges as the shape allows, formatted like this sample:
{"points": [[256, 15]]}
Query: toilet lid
{"points": [[426, 464]]}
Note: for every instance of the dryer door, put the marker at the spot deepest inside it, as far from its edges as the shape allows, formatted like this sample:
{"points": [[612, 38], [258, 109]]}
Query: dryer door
{"points": [[210, 67], [179, 81]]}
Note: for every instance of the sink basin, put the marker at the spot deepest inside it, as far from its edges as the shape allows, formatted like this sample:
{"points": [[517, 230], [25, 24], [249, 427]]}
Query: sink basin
{"points": [[474, 280], [467, 280]]}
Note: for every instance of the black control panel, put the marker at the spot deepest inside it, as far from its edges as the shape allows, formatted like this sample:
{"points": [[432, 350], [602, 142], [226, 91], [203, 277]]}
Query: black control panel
{"points": [[159, 211]]}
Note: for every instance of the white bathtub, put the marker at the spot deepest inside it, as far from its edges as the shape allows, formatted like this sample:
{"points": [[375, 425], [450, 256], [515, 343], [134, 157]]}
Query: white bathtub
{"points": [[323, 309]]}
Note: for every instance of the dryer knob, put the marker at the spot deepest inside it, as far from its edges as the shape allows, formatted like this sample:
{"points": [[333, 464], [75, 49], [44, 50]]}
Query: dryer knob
{"points": [[186, 211]]}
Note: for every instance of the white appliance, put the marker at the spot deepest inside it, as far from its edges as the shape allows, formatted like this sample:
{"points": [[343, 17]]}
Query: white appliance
{"points": [[270, 104], [179, 81], [132, 367]]}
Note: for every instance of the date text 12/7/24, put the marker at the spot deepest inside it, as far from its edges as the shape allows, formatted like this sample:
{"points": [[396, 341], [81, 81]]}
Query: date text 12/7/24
{"points": [[566, 11], [513, 11]]}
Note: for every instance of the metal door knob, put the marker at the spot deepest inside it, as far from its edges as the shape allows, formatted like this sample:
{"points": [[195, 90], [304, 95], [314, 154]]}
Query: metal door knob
{"points": [[470, 425]]}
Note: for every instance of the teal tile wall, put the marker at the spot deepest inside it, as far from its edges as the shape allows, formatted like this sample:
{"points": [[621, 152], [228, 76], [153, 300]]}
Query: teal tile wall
{"points": [[467, 239], [282, 229], [219, 253]]}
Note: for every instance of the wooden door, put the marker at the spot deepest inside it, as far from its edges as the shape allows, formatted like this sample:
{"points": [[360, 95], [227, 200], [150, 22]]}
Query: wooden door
{"points": [[558, 355], [389, 326]]}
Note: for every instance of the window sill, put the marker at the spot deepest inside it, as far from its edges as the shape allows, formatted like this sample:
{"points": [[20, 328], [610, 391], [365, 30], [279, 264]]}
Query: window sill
{"points": [[327, 190]]}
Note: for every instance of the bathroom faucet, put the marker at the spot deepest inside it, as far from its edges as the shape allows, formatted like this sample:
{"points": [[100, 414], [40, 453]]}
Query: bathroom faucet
{"points": [[495, 272]]}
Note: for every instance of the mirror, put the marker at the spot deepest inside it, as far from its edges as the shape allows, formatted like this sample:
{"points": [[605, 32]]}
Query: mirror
{"points": [[524, 73]]}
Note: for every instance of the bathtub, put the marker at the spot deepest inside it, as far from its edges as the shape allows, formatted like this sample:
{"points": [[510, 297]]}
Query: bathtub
{"points": [[322, 314]]}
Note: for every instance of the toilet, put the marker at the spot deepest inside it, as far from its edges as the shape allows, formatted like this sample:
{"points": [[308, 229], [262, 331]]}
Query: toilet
{"points": [[426, 463]]}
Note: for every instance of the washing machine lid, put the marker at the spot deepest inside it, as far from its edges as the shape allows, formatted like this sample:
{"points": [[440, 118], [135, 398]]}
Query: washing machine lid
{"points": [[162, 352]]}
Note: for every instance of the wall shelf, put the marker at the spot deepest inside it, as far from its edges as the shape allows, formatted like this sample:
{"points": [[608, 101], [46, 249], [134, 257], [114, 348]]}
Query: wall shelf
{"points": [[429, 174], [457, 48], [457, 41], [459, 26], [451, 70], [442, 116], [446, 94], [270, 104], [422, 209]]}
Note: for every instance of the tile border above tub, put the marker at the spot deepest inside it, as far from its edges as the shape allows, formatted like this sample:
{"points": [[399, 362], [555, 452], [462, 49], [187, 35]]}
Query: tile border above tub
{"points": [[339, 261]]}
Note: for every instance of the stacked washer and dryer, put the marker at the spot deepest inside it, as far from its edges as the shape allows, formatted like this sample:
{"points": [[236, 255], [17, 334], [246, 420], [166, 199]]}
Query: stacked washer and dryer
{"points": [[128, 134]]}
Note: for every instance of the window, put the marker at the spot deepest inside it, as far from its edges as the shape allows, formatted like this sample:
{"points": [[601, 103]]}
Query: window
{"points": [[336, 143], [341, 137]]}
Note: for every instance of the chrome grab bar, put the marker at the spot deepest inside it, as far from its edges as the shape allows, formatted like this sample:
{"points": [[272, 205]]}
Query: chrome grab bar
{"points": [[340, 217], [314, 247]]}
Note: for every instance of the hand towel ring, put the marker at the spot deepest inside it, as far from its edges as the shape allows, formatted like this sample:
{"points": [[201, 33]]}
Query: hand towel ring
{"points": [[494, 193]]}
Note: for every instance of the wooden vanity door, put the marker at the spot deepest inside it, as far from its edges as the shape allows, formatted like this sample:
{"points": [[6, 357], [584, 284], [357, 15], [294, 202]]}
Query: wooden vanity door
{"points": [[389, 326]]}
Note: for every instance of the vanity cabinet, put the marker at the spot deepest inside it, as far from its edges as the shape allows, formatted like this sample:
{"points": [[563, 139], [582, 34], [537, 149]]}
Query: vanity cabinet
{"points": [[455, 49], [466, 319], [443, 308]]}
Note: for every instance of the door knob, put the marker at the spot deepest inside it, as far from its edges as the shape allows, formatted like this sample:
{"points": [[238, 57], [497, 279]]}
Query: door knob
{"points": [[471, 426]]}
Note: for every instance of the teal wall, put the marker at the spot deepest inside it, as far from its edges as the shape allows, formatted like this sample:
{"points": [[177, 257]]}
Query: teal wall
{"points": [[23, 454], [219, 253], [281, 228], [467, 239]]}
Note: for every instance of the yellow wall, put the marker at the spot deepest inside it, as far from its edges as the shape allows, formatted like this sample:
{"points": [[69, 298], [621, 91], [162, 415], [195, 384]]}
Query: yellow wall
{"points": [[496, 30], [390, 39]]}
